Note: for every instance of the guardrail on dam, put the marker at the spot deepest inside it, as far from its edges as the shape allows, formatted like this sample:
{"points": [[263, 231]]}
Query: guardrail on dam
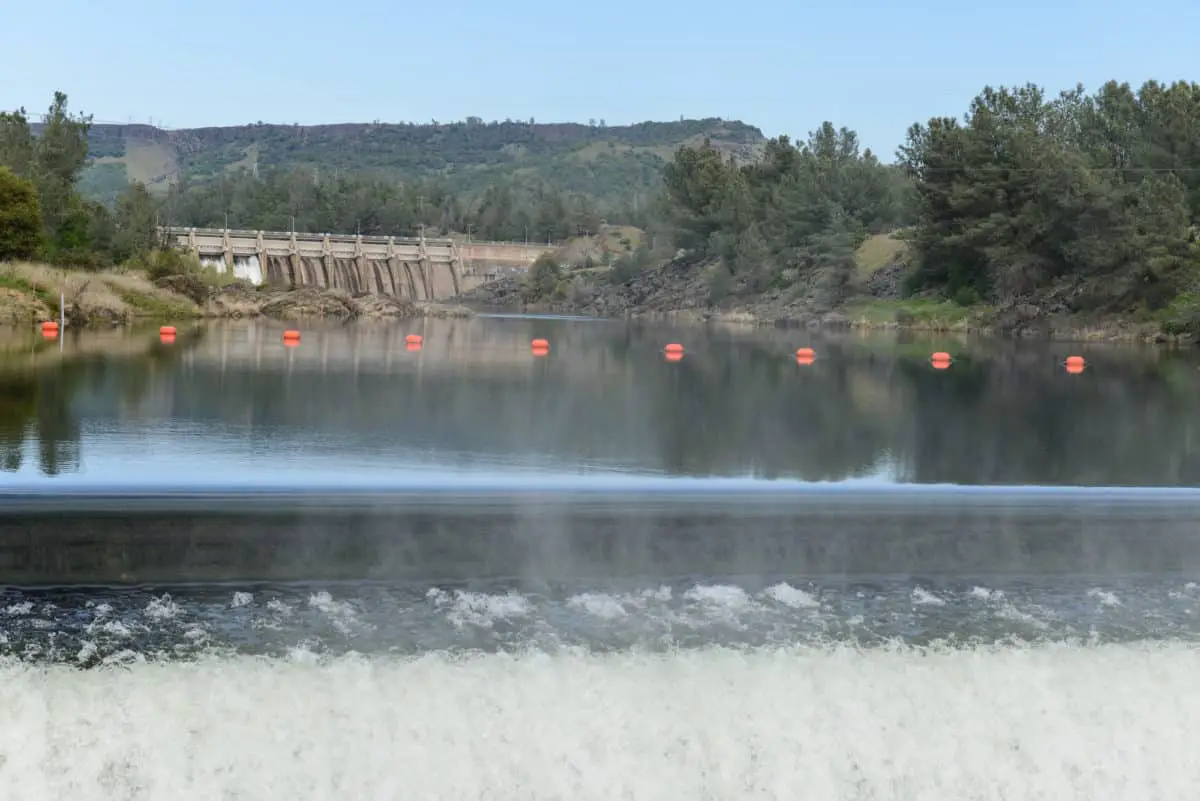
{"points": [[414, 268]]}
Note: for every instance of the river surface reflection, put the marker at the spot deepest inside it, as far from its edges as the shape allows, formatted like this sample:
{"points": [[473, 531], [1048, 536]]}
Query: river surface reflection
{"points": [[229, 403]]}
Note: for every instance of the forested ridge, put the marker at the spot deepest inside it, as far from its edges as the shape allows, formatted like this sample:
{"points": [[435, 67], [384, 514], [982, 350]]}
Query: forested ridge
{"points": [[616, 168], [1030, 202]]}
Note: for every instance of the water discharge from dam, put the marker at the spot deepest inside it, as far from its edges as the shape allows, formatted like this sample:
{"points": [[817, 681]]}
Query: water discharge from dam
{"points": [[379, 276], [572, 578], [245, 268], [398, 279]]}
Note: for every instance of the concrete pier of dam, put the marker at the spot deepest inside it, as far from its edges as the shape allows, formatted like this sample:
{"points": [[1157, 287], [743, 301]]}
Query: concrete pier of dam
{"points": [[415, 268]]}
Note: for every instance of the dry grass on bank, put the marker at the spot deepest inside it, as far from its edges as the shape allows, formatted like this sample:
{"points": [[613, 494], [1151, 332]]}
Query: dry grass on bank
{"points": [[31, 291], [878, 252]]}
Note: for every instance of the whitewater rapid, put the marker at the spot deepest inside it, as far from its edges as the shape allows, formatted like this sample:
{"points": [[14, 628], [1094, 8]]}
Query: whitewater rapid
{"points": [[704, 690], [1047, 722]]}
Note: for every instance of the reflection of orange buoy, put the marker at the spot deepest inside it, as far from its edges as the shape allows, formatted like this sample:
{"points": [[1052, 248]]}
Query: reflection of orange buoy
{"points": [[1075, 364], [167, 331], [412, 345], [291, 336], [50, 328], [674, 355], [414, 339], [940, 360], [167, 339], [540, 344], [806, 353], [540, 351], [674, 347], [50, 333], [805, 358]]}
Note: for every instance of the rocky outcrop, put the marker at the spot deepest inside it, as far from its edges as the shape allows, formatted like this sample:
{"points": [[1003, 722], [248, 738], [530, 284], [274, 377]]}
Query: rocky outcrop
{"points": [[887, 283], [18, 308], [189, 286], [680, 290], [308, 303], [303, 304]]}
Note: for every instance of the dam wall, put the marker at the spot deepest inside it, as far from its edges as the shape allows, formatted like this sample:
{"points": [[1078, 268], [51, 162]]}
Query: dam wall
{"points": [[487, 261], [414, 268]]}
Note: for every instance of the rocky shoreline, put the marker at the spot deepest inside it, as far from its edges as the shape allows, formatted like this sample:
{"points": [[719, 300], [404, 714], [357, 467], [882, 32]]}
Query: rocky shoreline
{"points": [[677, 292], [309, 303]]}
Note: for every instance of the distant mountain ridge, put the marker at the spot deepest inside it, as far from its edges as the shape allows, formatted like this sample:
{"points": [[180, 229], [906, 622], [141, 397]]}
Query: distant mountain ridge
{"points": [[608, 163]]}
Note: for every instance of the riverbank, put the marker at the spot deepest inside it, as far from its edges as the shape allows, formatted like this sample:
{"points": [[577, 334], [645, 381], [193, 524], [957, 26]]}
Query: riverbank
{"points": [[681, 292], [31, 293]]}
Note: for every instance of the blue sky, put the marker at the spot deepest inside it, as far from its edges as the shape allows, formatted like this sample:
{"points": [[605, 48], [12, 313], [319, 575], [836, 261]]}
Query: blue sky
{"points": [[873, 66]]}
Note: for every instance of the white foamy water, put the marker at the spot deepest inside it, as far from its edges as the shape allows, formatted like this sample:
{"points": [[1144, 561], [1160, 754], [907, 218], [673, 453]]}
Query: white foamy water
{"points": [[247, 268], [1054, 722]]}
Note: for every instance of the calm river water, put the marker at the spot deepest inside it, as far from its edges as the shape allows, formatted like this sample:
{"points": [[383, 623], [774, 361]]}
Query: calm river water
{"points": [[348, 569]]}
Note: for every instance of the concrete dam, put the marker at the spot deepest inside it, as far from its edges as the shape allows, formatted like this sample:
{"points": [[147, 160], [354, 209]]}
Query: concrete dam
{"points": [[412, 268]]}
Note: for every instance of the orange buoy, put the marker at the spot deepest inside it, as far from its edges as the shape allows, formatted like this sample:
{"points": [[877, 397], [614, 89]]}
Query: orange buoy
{"points": [[414, 339], [806, 353], [674, 347], [49, 326], [167, 331], [1075, 364], [291, 335], [540, 344], [940, 360]]}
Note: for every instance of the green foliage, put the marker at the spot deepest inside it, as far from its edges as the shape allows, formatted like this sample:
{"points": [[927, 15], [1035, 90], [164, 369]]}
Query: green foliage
{"points": [[73, 231], [795, 216], [103, 182], [60, 153], [16, 144], [20, 217], [166, 262], [1100, 193], [630, 264], [374, 206], [544, 277], [135, 223], [1182, 316]]}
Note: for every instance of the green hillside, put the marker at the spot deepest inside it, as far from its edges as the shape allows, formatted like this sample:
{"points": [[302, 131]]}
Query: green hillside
{"points": [[609, 164]]}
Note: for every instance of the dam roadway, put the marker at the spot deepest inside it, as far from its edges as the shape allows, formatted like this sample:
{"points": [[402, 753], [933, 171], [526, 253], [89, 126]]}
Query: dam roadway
{"points": [[416, 268]]}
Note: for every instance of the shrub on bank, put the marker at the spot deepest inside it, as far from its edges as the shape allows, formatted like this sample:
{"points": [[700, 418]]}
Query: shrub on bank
{"points": [[166, 263], [544, 277], [20, 217]]}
